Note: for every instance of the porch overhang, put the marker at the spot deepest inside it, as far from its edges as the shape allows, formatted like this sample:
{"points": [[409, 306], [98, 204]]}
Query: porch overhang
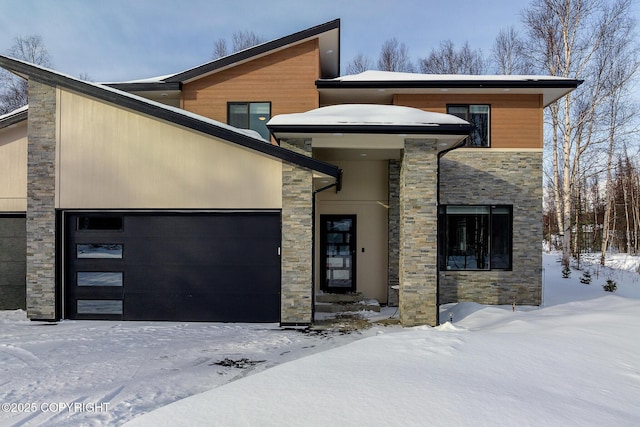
{"points": [[370, 128]]}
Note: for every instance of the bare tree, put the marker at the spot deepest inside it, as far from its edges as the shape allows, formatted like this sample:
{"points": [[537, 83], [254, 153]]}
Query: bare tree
{"points": [[220, 49], [449, 60], [240, 40], [13, 89], [508, 53], [569, 38], [394, 56], [359, 64]]}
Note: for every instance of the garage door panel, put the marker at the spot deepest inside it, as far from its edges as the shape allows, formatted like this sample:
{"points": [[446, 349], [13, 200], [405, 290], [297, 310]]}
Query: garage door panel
{"points": [[241, 307], [215, 267]]}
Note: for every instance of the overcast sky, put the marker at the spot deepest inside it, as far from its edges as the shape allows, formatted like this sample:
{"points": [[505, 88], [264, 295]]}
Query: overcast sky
{"points": [[117, 40]]}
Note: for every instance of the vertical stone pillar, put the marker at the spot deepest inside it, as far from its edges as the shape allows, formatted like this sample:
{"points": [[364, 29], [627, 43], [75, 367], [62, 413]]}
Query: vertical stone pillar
{"points": [[297, 239], [419, 234], [41, 221], [394, 231]]}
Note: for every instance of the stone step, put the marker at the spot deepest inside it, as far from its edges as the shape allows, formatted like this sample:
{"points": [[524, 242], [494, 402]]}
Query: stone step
{"points": [[343, 307], [339, 298]]}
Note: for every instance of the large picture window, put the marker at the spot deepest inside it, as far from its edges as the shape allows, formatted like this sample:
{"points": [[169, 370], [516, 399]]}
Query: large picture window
{"points": [[478, 116], [250, 115], [476, 237]]}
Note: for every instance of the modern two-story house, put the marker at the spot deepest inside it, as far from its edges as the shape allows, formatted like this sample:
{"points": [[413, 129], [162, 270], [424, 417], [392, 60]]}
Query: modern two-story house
{"points": [[240, 189]]}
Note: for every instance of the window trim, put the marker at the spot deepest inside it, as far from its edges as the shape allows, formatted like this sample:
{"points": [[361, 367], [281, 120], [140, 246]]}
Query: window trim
{"points": [[488, 120], [248, 104], [443, 243]]}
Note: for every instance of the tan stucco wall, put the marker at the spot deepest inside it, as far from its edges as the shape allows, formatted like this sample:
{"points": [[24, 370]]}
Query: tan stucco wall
{"points": [[13, 164], [109, 157], [364, 193]]}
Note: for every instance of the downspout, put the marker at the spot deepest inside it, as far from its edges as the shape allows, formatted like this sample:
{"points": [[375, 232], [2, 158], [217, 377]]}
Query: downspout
{"points": [[438, 227], [338, 186]]}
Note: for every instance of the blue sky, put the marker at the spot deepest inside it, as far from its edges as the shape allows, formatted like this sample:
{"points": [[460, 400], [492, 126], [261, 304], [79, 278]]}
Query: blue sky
{"points": [[116, 40]]}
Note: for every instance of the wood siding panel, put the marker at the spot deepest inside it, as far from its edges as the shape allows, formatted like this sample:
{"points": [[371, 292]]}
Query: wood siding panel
{"points": [[516, 120], [13, 164], [112, 158], [286, 78]]}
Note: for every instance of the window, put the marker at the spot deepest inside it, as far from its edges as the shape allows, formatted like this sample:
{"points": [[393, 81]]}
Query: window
{"points": [[250, 115], [476, 237], [99, 250], [99, 307], [98, 278], [478, 116], [99, 223]]}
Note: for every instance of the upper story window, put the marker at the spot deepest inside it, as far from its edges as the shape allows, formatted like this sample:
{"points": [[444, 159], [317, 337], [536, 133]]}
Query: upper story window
{"points": [[478, 116], [250, 115]]}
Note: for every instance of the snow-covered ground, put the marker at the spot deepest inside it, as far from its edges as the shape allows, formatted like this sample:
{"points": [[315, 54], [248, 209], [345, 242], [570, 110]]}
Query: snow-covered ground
{"points": [[573, 361]]}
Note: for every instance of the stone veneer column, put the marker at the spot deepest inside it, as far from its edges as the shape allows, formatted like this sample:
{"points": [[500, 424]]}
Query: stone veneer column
{"points": [[297, 239], [418, 234], [41, 251], [394, 231]]}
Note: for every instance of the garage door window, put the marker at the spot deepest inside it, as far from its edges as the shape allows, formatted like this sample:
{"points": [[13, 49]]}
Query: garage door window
{"points": [[99, 223], [99, 306], [99, 250], [99, 278]]}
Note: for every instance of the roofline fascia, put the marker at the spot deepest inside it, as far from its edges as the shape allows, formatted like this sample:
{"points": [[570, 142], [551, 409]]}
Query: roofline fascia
{"points": [[374, 129], [127, 101], [251, 52], [146, 86], [13, 119], [448, 84]]}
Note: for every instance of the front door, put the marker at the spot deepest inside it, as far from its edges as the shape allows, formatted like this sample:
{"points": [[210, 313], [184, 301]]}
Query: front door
{"points": [[338, 253]]}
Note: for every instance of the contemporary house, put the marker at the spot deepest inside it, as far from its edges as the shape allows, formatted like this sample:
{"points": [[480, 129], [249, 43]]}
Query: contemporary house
{"points": [[240, 189]]}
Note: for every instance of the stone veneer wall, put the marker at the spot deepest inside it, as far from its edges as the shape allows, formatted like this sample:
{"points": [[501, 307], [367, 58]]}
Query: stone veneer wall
{"points": [[483, 177], [297, 237], [41, 224], [394, 231], [418, 234]]}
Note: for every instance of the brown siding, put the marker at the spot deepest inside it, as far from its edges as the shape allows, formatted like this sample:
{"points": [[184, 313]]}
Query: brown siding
{"points": [[516, 120], [286, 78]]}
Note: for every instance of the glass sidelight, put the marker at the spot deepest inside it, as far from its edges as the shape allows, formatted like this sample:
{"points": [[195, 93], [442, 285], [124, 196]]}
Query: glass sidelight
{"points": [[338, 253]]}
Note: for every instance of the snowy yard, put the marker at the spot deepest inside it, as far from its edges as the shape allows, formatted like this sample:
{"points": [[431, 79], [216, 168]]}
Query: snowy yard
{"points": [[573, 361]]}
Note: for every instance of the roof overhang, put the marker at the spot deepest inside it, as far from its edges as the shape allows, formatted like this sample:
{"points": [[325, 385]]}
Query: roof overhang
{"points": [[379, 87], [370, 127]]}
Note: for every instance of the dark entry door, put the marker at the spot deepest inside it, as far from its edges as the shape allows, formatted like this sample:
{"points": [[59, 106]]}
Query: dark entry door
{"points": [[173, 266], [338, 253]]}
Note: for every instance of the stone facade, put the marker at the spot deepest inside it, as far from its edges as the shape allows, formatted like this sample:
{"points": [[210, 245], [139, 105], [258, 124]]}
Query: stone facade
{"points": [[418, 234], [297, 239], [507, 177], [41, 222], [394, 232]]}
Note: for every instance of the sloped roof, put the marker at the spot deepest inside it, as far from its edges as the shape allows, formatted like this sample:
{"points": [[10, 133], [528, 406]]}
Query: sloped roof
{"points": [[13, 117], [241, 137]]}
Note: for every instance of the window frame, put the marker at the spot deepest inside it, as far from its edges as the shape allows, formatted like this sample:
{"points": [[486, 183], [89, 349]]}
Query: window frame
{"points": [[248, 104], [443, 250], [468, 139]]}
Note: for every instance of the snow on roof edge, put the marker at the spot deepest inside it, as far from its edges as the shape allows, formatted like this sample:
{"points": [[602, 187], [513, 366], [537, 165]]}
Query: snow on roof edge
{"points": [[375, 75]]}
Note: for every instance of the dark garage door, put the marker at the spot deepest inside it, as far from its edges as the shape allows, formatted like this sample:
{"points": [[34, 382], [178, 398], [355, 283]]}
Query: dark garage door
{"points": [[177, 267], [13, 261]]}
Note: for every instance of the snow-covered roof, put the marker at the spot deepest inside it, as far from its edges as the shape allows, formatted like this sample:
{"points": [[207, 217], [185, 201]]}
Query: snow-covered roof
{"points": [[382, 76], [378, 87], [366, 115]]}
